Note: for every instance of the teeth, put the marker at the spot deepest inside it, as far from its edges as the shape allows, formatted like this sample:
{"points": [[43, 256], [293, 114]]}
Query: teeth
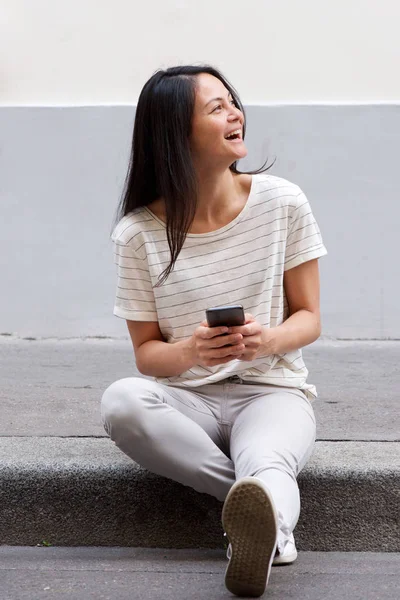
{"points": [[237, 132]]}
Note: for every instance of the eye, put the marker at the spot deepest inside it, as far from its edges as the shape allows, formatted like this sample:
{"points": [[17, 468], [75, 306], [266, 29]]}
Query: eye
{"points": [[217, 108]]}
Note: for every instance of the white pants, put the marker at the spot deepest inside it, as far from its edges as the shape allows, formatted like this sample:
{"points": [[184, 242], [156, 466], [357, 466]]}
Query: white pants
{"points": [[207, 437]]}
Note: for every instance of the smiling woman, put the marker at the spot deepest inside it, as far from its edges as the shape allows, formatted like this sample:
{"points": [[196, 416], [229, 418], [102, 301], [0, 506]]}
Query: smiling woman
{"points": [[183, 117], [229, 412], [216, 122]]}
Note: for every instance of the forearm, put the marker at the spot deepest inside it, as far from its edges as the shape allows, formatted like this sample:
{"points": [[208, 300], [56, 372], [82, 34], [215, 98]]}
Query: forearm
{"points": [[160, 359], [300, 329]]}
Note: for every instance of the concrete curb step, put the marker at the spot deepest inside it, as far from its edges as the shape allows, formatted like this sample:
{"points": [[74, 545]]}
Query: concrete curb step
{"points": [[83, 491]]}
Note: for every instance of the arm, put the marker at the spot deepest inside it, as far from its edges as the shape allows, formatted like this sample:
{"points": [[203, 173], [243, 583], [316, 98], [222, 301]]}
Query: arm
{"points": [[154, 356], [157, 358], [303, 325]]}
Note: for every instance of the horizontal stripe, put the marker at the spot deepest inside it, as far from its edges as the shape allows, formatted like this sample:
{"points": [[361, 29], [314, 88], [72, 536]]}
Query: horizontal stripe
{"points": [[178, 272], [222, 251], [190, 243], [243, 263]]}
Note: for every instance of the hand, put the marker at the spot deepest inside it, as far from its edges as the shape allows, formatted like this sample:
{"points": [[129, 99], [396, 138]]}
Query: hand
{"points": [[258, 340], [210, 346]]}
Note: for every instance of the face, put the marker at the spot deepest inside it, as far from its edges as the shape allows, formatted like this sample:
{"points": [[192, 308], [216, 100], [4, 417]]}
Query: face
{"points": [[217, 124]]}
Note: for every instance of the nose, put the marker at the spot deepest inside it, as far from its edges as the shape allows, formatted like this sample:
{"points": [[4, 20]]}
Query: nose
{"points": [[235, 115]]}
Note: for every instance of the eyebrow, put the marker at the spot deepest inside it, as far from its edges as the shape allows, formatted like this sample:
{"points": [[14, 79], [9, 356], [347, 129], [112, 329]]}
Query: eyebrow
{"points": [[217, 99]]}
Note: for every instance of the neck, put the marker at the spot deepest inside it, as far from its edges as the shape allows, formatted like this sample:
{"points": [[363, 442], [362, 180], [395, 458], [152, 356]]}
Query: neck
{"points": [[217, 192]]}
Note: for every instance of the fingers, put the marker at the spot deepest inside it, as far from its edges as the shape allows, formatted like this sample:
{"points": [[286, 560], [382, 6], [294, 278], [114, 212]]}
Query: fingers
{"points": [[206, 332], [213, 346], [223, 347], [223, 355], [231, 350], [249, 329], [219, 345], [219, 341], [224, 340]]}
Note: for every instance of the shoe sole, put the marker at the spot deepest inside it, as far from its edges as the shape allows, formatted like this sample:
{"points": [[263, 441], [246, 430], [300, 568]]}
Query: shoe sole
{"points": [[250, 521]]}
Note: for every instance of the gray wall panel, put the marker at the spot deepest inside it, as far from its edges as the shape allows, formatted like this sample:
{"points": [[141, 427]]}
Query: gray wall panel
{"points": [[345, 158], [61, 173]]}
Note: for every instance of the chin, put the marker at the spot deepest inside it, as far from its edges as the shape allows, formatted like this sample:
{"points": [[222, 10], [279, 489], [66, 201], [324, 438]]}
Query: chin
{"points": [[242, 154]]}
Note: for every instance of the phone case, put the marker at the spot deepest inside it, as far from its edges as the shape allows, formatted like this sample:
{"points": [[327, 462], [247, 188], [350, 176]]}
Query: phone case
{"points": [[225, 315]]}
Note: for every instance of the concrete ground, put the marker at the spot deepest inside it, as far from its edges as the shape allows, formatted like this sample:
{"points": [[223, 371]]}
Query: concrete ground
{"points": [[53, 387], [134, 574], [61, 480]]}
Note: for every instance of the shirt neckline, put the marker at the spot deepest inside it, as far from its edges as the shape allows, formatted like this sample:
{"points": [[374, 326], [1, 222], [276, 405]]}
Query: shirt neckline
{"points": [[221, 229]]}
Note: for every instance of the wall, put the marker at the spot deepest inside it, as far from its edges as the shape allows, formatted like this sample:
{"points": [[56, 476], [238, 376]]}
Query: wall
{"points": [[319, 84], [88, 52]]}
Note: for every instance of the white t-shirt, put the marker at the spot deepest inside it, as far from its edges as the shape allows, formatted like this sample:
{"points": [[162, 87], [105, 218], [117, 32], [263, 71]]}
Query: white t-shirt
{"points": [[240, 263]]}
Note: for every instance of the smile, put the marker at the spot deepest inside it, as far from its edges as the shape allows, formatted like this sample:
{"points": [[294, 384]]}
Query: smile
{"points": [[234, 135]]}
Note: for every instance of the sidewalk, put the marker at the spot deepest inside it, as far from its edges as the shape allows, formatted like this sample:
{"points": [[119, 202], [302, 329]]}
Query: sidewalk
{"points": [[54, 387], [63, 481], [134, 574]]}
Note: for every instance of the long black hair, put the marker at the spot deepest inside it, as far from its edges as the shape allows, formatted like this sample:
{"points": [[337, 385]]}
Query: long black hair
{"points": [[160, 163]]}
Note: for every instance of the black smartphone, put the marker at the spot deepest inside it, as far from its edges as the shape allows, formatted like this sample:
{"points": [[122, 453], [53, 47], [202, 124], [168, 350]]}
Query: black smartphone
{"points": [[230, 316]]}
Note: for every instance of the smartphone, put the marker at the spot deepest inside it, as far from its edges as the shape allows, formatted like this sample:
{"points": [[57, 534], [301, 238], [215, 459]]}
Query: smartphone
{"points": [[229, 316]]}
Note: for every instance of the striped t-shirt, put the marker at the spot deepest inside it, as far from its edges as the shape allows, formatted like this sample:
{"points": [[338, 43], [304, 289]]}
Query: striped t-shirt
{"points": [[240, 263]]}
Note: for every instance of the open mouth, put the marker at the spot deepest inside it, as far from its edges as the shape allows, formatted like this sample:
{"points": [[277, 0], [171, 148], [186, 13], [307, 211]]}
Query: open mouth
{"points": [[235, 135]]}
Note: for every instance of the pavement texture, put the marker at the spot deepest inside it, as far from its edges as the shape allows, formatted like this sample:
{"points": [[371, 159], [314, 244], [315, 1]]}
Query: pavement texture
{"points": [[86, 492], [63, 481], [133, 574], [53, 387]]}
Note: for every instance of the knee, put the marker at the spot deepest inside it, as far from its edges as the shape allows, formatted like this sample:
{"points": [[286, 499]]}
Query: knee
{"points": [[282, 460], [120, 402]]}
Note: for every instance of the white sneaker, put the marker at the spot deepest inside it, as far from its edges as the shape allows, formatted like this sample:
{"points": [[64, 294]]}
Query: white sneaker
{"points": [[289, 554], [250, 521], [287, 557]]}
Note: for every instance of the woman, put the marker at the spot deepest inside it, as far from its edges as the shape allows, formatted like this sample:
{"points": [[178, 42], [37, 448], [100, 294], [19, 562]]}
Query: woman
{"points": [[229, 412]]}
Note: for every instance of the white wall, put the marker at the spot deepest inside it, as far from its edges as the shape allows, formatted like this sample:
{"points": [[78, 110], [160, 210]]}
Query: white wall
{"points": [[96, 52], [61, 169]]}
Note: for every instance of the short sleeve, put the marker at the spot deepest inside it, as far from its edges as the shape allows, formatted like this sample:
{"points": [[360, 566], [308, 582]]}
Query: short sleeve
{"points": [[304, 241], [134, 297]]}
